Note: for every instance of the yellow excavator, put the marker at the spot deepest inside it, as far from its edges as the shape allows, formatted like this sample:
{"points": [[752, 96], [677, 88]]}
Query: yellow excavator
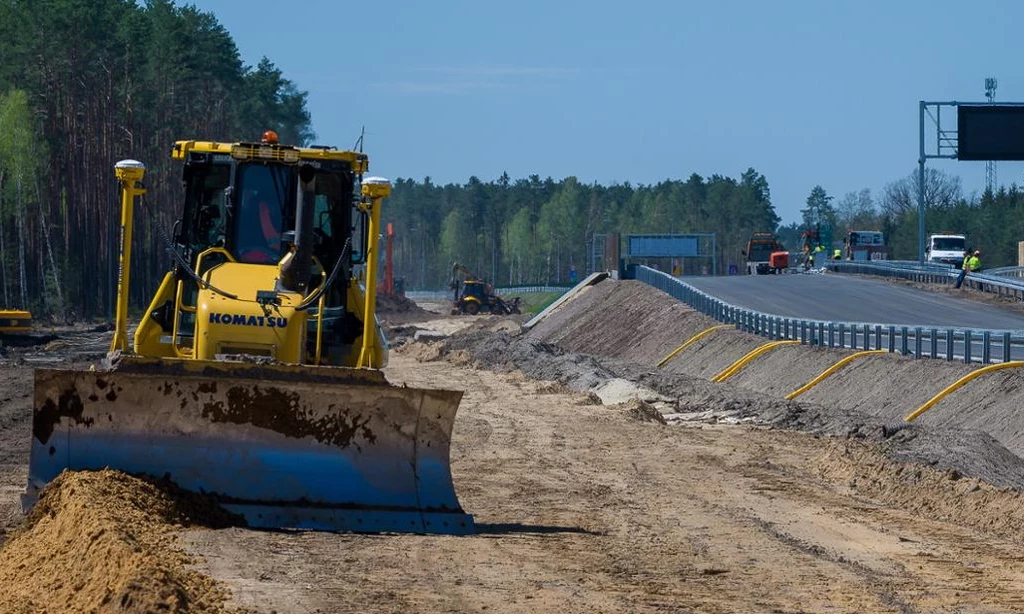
{"points": [[254, 374]]}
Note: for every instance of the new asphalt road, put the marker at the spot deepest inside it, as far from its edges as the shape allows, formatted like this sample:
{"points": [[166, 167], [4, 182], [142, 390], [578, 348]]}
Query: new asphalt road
{"points": [[839, 297]]}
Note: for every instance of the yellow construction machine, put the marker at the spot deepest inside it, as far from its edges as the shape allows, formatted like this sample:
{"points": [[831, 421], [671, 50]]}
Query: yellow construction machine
{"points": [[15, 321], [474, 295], [254, 374]]}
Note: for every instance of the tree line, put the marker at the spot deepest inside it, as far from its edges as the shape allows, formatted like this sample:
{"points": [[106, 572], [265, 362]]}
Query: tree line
{"points": [[533, 230], [85, 83]]}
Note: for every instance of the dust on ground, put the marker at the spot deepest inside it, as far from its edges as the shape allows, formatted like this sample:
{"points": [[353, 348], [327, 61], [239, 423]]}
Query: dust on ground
{"points": [[583, 507], [104, 542], [602, 483], [977, 431]]}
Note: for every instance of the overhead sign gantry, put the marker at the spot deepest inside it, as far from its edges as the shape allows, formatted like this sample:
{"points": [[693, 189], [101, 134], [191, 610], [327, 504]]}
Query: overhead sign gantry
{"points": [[984, 131]]}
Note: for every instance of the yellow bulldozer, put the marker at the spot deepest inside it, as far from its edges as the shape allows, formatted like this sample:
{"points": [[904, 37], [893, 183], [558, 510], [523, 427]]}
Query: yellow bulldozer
{"points": [[254, 374]]}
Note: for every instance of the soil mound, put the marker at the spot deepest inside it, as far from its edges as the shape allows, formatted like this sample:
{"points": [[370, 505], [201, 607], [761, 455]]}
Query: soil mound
{"points": [[585, 345], [103, 542], [400, 310], [942, 495]]}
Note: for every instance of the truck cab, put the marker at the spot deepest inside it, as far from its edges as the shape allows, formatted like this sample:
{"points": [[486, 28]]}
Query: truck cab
{"points": [[866, 245], [760, 248], [947, 248]]}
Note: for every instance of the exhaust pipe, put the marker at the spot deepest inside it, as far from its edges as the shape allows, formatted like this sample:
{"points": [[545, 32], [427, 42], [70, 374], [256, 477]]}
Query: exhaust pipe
{"points": [[296, 271]]}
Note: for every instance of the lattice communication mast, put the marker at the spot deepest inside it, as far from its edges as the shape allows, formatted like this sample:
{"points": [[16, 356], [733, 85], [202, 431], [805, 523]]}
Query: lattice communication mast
{"points": [[990, 167]]}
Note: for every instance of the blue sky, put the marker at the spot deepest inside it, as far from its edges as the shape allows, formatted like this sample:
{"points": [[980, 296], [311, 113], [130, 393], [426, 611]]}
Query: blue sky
{"points": [[806, 92]]}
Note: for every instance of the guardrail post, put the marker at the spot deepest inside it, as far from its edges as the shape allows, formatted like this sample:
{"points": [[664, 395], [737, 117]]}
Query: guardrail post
{"points": [[950, 339], [892, 339], [842, 335], [831, 334], [803, 332], [821, 333], [917, 343], [1006, 347], [967, 346], [934, 337], [878, 337], [986, 347], [904, 342]]}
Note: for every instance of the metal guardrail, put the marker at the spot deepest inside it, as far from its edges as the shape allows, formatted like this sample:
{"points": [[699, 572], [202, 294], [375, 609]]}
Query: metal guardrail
{"points": [[986, 281], [968, 345], [512, 291], [428, 295], [1007, 271]]}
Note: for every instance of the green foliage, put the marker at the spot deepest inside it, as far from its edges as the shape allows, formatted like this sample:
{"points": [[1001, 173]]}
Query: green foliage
{"points": [[535, 231], [535, 302], [819, 211], [101, 81]]}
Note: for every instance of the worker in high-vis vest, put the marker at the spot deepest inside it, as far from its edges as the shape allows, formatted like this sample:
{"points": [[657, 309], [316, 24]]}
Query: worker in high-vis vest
{"points": [[964, 267], [974, 263]]}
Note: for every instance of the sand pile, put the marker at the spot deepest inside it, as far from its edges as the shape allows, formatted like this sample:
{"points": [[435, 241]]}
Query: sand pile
{"points": [[399, 309], [104, 542], [942, 495]]}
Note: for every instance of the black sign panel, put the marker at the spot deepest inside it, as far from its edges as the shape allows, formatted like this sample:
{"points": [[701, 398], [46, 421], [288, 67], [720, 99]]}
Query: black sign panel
{"points": [[990, 132]]}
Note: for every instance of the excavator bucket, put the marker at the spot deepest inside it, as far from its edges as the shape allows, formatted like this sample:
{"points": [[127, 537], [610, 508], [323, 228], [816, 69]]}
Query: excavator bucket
{"points": [[285, 446]]}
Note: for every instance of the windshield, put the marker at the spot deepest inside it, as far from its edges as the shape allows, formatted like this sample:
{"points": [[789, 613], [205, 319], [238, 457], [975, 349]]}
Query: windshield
{"points": [[760, 252], [948, 244], [260, 212]]}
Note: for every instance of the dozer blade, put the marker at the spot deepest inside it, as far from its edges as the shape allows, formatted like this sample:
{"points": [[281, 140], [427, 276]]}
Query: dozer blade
{"points": [[285, 446]]}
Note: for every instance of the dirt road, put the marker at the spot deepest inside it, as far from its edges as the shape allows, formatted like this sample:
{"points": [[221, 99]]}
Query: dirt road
{"points": [[581, 508]]}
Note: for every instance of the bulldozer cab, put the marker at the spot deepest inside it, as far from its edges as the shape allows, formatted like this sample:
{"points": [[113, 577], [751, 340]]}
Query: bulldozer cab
{"points": [[242, 209], [474, 289]]}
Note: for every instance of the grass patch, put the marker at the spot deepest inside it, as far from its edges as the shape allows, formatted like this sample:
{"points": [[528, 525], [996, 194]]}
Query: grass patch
{"points": [[535, 302]]}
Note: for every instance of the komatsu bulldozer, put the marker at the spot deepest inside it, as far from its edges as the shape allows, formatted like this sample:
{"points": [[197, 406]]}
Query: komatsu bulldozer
{"points": [[254, 374]]}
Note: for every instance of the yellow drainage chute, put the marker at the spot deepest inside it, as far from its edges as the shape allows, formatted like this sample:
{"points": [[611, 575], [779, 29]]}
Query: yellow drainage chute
{"points": [[751, 355], [960, 382], [690, 342], [827, 372]]}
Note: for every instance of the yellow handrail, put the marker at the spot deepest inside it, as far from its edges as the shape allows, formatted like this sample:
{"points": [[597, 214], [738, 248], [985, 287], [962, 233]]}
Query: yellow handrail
{"points": [[751, 355], [690, 341], [837, 366], [320, 311], [960, 382]]}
